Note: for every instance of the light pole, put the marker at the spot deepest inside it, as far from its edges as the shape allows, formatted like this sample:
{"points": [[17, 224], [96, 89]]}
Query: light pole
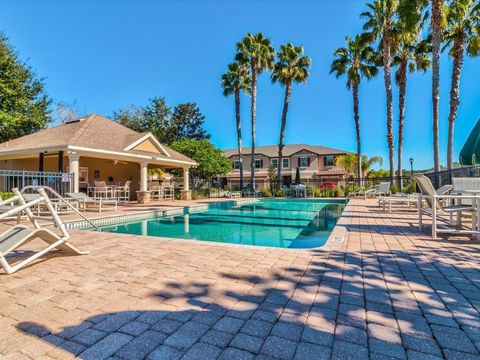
{"points": [[411, 174]]}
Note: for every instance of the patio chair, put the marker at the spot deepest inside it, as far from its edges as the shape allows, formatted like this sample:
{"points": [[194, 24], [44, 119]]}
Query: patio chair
{"points": [[101, 190], [122, 193], [19, 235], [167, 192], [407, 199], [434, 204], [357, 192], [87, 202], [155, 190], [383, 189]]}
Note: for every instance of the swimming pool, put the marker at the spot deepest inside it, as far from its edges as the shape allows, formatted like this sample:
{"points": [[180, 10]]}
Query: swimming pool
{"points": [[286, 223]]}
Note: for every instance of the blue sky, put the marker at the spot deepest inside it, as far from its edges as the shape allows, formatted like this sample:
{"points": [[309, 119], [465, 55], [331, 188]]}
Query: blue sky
{"points": [[106, 55]]}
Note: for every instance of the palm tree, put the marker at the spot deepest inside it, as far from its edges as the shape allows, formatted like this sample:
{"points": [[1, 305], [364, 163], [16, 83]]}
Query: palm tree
{"points": [[235, 80], [462, 34], [292, 66], [348, 162], [381, 24], [436, 30], [412, 54], [367, 163], [355, 61], [259, 53]]}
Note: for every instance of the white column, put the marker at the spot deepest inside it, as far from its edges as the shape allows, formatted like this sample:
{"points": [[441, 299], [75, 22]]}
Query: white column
{"points": [[186, 175], [186, 224], [74, 167], [143, 176]]}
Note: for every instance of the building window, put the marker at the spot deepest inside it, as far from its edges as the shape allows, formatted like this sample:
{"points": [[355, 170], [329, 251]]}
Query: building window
{"points": [[329, 160], [258, 163], [304, 161], [285, 163], [275, 162], [236, 165]]}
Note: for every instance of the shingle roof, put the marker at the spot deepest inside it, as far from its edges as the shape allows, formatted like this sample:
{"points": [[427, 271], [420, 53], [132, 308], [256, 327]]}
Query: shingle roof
{"points": [[93, 131], [288, 150]]}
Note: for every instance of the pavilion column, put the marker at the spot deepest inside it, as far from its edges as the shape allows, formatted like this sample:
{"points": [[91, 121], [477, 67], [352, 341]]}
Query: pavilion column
{"points": [[143, 176], [186, 193], [143, 195], [186, 178], [74, 168]]}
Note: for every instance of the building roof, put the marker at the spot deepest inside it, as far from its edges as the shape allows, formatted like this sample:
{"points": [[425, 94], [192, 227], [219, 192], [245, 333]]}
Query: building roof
{"points": [[93, 132], [288, 150]]}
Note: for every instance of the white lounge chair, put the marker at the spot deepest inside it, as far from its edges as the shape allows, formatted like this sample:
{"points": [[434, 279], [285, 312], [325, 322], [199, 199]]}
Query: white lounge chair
{"points": [[407, 199], [383, 189], [19, 235], [435, 207], [87, 202]]}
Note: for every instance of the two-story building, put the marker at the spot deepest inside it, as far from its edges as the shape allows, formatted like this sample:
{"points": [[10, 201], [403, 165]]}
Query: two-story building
{"points": [[316, 163]]}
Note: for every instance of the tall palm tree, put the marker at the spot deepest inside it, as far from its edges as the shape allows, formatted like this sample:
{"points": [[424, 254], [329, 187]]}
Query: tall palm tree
{"points": [[292, 66], [237, 79], [411, 54], [259, 53], [355, 61], [436, 30], [462, 34], [381, 24]]}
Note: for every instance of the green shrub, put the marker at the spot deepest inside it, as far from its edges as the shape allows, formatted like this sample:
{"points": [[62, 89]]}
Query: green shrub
{"points": [[411, 188], [394, 189], [280, 193], [266, 192], [317, 192], [5, 195], [340, 191]]}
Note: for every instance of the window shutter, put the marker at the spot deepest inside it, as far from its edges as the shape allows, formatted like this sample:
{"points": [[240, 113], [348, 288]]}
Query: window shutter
{"points": [[324, 161], [298, 162], [308, 161], [261, 163]]}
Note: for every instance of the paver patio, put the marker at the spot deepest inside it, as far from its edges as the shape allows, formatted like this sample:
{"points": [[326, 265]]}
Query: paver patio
{"points": [[388, 292]]}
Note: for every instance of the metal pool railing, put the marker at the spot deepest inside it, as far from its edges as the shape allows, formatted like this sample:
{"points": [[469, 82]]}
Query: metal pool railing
{"points": [[60, 182]]}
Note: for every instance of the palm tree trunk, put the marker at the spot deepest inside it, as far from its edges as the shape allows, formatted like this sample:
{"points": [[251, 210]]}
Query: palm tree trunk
{"points": [[356, 117], [388, 90], [254, 115], [239, 135], [454, 95], [402, 86], [286, 101], [436, 41]]}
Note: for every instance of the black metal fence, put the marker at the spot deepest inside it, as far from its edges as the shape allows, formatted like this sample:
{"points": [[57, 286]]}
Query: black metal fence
{"points": [[60, 182], [327, 187], [444, 177]]}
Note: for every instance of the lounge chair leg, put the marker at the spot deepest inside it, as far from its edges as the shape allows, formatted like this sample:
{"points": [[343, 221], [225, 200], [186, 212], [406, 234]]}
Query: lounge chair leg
{"points": [[419, 208], [434, 221]]}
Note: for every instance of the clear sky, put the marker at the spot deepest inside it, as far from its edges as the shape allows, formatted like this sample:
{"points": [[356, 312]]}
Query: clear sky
{"points": [[106, 55]]}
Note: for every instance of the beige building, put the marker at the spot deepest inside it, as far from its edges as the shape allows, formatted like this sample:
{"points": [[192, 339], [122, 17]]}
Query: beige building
{"points": [[316, 163], [93, 148]]}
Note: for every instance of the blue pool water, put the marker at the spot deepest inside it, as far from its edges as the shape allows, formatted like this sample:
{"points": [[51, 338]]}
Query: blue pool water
{"points": [[286, 223]]}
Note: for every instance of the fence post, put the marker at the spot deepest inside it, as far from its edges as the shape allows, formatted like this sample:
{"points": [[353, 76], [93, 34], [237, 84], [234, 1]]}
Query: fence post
{"points": [[23, 179]]}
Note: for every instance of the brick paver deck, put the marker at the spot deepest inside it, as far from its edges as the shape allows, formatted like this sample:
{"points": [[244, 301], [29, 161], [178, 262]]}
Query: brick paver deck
{"points": [[388, 292]]}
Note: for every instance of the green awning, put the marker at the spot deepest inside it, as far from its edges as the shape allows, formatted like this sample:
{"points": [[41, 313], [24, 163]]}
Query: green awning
{"points": [[470, 154]]}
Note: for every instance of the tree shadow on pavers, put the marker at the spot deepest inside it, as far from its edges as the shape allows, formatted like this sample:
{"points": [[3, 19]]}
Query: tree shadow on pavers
{"points": [[350, 304]]}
